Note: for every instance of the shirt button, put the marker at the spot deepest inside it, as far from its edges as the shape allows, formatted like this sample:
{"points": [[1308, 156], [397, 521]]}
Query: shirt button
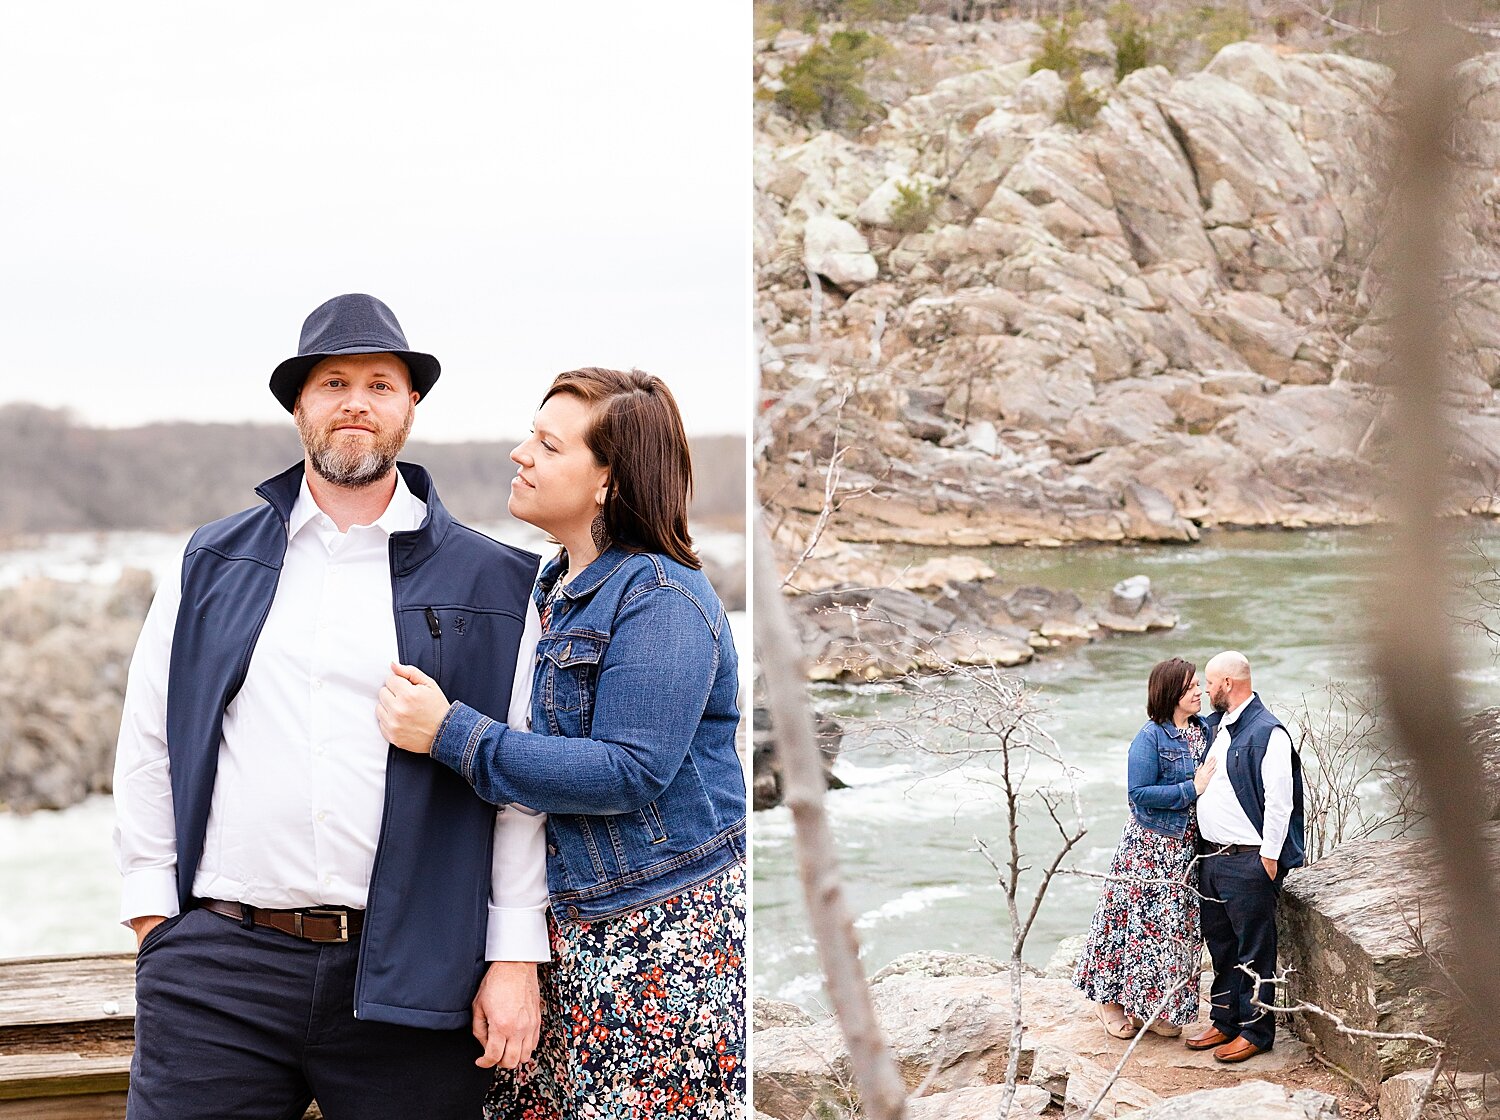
{"points": [[322, 815], [317, 683], [327, 879]]}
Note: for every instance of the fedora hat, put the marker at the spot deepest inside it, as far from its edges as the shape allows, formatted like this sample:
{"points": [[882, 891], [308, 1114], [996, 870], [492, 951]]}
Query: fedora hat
{"points": [[351, 324]]}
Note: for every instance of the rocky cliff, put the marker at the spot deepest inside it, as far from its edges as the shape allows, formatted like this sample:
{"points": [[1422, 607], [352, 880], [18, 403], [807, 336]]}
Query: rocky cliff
{"points": [[1022, 330], [64, 652]]}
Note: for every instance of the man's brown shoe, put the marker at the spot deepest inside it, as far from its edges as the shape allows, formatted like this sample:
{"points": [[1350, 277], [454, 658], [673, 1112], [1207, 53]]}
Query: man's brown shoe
{"points": [[1237, 1051], [1206, 1040]]}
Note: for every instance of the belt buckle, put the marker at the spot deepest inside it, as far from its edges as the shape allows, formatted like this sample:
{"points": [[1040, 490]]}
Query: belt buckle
{"points": [[341, 915]]}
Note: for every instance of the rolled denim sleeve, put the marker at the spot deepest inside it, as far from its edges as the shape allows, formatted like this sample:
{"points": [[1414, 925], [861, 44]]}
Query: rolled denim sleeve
{"points": [[1142, 772], [654, 682]]}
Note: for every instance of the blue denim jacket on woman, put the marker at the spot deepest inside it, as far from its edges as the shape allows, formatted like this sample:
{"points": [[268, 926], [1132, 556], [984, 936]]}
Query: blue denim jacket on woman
{"points": [[1159, 776], [632, 753]]}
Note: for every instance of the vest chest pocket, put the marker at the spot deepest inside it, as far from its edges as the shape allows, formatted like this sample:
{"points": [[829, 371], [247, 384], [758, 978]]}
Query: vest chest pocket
{"points": [[570, 670]]}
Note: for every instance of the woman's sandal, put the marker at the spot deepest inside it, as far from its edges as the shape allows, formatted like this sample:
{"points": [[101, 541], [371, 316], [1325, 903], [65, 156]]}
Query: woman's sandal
{"points": [[1117, 1025], [1165, 1030]]}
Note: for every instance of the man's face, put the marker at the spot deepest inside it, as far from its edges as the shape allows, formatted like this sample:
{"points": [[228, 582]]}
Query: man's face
{"points": [[1219, 686], [353, 414]]}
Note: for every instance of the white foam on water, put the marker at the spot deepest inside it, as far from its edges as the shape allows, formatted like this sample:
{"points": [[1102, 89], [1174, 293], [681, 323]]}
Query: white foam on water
{"points": [[909, 903]]}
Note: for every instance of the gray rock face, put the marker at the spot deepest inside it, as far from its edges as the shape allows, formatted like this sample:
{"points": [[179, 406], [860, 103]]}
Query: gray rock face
{"points": [[1165, 322], [858, 634], [64, 650], [1347, 943]]}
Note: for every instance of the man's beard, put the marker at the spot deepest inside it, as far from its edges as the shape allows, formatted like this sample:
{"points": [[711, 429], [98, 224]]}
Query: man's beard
{"points": [[342, 462], [1220, 701]]}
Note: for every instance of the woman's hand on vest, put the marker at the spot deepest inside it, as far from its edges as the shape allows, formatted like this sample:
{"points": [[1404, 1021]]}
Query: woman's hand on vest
{"points": [[1201, 775], [507, 1014], [410, 709]]}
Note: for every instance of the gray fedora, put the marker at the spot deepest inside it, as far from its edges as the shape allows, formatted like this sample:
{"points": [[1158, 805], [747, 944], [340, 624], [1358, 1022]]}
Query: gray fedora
{"points": [[351, 324]]}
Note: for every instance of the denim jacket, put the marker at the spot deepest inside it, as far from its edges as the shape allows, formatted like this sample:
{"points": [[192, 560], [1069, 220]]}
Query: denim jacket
{"points": [[1160, 777], [632, 754]]}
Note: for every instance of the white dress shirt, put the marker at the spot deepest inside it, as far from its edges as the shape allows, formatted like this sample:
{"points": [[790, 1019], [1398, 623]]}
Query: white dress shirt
{"points": [[300, 789], [1221, 818]]}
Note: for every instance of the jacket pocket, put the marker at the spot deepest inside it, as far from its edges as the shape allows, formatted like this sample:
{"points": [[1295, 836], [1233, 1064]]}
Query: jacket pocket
{"points": [[570, 665], [651, 823]]}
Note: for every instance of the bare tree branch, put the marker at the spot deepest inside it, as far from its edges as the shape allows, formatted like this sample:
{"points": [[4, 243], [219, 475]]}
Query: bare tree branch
{"points": [[881, 1089]]}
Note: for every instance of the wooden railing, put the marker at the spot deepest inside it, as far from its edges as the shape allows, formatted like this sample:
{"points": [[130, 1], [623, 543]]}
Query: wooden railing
{"points": [[66, 1035], [67, 1030]]}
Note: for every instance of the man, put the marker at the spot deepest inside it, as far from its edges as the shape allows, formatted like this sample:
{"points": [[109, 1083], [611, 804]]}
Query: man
{"points": [[1250, 828], [315, 910]]}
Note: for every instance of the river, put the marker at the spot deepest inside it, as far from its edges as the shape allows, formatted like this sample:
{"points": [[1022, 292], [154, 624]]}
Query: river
{"points": [[1292, 602]]}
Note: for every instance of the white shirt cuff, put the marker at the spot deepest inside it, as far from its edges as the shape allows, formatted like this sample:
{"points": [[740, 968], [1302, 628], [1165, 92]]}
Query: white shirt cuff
{"points": [[517, 934], [151, 890]]}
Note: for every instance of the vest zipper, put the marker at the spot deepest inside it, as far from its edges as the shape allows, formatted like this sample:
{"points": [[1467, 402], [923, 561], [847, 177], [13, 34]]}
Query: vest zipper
{"points": [[385, 810]]}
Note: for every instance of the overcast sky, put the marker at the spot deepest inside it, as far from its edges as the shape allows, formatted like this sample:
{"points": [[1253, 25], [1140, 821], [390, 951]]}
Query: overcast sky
{"points": [[531, 187]]}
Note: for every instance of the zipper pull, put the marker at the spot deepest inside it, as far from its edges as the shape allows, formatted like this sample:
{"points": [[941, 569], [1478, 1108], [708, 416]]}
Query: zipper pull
{"points": [[432, 623]]}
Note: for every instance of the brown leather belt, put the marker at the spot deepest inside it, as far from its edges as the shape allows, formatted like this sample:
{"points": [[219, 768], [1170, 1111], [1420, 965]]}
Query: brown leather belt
{"points": [[323, 924], [1210, 848]]}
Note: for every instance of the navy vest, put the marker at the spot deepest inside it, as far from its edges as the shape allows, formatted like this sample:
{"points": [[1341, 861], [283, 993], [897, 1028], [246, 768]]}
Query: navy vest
{"points": [[460, 604], [1249, 736]]}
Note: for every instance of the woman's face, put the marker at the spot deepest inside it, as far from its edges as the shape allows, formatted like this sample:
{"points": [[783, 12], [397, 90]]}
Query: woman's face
{"points": [[1190, 703], [559, 485]]}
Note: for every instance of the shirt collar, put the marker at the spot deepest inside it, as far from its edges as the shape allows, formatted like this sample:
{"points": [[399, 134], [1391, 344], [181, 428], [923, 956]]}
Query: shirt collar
{"points": [[404, 512], [1234, 714]]}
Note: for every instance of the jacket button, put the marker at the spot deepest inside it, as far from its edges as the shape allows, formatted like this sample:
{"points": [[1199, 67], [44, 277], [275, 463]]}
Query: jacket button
{"points": [[572, 911], [552, 849]]}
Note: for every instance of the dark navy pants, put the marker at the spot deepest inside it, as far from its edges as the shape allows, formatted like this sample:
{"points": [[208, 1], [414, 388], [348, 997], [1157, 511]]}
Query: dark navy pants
{"points": [[1240, 928], [252, 1023]]}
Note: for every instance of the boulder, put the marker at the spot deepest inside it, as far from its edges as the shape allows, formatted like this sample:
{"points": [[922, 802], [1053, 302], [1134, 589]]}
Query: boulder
{"points": [[1483, 732], [940, 963], [836, 250], [979, 1103], [1087, 1080], [1259, 1099], [1347, 944], [766, 767], [1454, 1095], [766, 1013]]}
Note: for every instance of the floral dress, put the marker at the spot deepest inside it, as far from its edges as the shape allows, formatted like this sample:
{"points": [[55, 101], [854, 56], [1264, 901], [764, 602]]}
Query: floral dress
{"points": [[1144, 940], [643, 1014]]}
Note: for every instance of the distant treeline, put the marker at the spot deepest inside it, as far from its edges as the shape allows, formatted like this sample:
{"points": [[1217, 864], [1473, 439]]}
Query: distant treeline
{"points": [[60, 475]]}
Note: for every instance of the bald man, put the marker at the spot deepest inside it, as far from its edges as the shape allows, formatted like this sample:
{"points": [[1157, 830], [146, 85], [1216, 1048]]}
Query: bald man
{"points": [[1250, 830]]}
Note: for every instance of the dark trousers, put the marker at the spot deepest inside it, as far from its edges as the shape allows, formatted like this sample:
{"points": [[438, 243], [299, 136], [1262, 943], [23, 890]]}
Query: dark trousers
{"points": [[1240, 928], [253, 1024]]}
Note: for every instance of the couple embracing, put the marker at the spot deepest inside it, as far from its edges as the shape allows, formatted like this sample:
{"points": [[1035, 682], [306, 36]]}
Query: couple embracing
{"points": [[411, 827], [1216, 821]]}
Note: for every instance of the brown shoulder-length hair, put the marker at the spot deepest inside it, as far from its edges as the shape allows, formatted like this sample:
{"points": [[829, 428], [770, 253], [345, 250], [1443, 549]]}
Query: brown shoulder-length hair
{"points": [[636, 431], [1169, 680]]}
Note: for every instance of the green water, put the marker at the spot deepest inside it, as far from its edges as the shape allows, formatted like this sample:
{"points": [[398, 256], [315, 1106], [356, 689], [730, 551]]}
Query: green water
{"points": [[1292, 602]]}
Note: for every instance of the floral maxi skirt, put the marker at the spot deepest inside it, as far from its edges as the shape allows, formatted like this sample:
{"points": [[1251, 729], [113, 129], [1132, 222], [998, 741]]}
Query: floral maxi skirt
{"points": [[1145, 939], [643, 1015]]}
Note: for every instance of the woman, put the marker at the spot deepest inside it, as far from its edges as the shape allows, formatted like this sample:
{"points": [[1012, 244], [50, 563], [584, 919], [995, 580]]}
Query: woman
{"points": [[1143, 944], [632, 756]]}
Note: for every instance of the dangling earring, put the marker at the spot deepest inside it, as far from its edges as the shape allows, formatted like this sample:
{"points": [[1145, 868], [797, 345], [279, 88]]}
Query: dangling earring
{"points": [[599, 531]]}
